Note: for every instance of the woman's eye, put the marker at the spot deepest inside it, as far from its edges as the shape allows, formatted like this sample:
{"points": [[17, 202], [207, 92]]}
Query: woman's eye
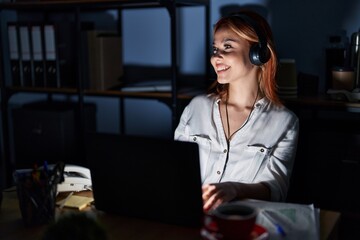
{"points": [[216, 50], [227, 46]]}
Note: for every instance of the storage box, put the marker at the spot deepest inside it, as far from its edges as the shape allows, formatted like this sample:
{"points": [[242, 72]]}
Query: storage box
{"points": [[51, 132], [104, 59]]}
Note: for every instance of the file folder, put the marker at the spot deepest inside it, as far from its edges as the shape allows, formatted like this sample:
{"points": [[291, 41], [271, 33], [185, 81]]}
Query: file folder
{"points": [[15, 63], [25, 56], [38, 56]]}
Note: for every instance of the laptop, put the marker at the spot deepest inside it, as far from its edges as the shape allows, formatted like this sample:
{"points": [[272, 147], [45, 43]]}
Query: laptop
{"points": [[144, 177]]}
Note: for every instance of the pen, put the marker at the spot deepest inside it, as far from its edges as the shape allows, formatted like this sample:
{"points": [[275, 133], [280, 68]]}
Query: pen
{"points": [[46, 168], [279, 229]]}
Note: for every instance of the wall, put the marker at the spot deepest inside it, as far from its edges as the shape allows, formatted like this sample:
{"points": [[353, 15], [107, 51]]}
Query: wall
{"points": [[301, 30], [301, 27]]}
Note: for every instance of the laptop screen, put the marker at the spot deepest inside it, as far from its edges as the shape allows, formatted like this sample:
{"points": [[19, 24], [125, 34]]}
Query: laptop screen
{"points": [[143, 177]]}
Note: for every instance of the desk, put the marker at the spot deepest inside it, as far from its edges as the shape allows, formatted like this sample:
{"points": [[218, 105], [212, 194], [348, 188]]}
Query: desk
{"points": [[117, 227]]}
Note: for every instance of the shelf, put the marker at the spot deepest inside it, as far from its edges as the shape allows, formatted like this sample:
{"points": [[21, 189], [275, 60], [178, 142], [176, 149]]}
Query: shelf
{"points": [[323, 102], [174, 98], [182, 93], [97, 4], [328, 152], [80, 6]]}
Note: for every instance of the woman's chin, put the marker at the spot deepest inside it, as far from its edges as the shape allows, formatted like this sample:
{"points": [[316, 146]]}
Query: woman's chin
{"points": [[222, 80]]}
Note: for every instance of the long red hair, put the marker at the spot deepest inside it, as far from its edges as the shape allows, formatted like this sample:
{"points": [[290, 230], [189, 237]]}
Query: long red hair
{"points": [[267, 72]]}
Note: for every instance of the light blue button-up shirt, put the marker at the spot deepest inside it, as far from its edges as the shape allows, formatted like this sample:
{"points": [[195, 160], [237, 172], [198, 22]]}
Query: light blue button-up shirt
{"points": [[263, 150]]}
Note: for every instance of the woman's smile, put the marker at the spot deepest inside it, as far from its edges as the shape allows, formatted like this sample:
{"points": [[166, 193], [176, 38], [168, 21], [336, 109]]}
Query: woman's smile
{"points": [[221, 68]]}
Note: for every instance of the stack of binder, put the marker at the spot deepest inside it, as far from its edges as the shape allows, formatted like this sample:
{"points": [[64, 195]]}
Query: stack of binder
{"points": [[41, 54]]}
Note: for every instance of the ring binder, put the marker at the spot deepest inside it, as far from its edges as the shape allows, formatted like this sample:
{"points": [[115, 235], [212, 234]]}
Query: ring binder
{"points": [[16, 79], [38, 56], [51, 60], [25, 56]]}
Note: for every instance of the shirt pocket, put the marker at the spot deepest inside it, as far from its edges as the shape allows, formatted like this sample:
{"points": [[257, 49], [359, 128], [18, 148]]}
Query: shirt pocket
{"points": [[258, 155]]}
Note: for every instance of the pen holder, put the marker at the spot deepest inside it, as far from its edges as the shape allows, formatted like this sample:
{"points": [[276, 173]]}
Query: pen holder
{"points": [[36, 190]]}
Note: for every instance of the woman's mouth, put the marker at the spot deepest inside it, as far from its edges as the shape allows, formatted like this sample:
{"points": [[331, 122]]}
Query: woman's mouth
{"points": [[223, 68]]}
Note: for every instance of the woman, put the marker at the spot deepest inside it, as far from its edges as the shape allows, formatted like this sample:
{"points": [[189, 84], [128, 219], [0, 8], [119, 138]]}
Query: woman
{"points": [[247, 139]]}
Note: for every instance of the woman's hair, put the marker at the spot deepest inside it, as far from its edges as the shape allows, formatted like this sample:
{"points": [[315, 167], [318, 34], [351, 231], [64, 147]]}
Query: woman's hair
{"points": [[245, 30]]}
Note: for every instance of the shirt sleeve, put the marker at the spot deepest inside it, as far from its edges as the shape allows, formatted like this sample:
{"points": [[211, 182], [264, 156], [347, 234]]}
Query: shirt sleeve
{"points": [[180, 131], [278, 170]]}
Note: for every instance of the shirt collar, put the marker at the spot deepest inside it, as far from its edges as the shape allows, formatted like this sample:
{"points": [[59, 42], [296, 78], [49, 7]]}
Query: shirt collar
{"points": [[260, 103]]}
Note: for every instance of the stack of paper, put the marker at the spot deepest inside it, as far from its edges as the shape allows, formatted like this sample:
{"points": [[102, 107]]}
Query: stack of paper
{"points": [[77, 202], [148, 86], [353, 96], [288, 220]]}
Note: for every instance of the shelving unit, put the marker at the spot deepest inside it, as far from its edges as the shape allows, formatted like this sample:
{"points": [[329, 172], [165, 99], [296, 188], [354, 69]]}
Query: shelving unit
{"points": [[327, 164], [77, 8]]}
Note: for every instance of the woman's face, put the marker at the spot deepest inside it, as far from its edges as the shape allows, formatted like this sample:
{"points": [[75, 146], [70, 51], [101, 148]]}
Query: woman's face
{"points": [[230, 58]]}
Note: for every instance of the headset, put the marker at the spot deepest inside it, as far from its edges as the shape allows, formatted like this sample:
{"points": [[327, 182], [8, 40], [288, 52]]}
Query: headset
{"points": [[259, 52]]}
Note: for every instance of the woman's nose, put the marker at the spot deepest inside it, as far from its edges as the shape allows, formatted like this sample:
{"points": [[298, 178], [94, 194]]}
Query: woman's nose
{"points": [[218, 54]]}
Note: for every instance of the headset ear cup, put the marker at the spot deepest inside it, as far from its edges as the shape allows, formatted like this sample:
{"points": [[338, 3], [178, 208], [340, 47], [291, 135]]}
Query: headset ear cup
{"points": [[264, 54], [259, 55], [254, 55]]}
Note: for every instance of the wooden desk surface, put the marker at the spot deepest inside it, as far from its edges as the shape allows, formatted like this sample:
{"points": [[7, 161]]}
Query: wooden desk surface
{"points": [[117, 227]]}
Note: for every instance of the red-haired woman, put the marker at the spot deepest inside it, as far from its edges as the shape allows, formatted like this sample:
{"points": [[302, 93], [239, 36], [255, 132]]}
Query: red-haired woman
{"points": [[247, 138]]}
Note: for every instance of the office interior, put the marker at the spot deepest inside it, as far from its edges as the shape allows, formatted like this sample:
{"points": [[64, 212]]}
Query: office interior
{"points": [[327, 165]]}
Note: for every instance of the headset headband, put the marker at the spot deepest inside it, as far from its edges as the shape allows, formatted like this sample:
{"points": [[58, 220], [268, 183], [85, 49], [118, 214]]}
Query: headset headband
{"points": [[254, 25], [259, 52]]}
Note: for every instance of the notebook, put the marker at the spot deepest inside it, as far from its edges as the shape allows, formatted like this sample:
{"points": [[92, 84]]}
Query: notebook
{"points": [[144, 177]]}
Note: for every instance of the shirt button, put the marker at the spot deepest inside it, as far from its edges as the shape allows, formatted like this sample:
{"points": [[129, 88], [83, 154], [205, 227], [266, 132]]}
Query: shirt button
{"points": [[194, 138], [218, 172], [262, 150], [225, 151]]}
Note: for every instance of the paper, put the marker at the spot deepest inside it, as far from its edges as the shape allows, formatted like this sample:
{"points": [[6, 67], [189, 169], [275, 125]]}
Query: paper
{"points": [[78, 202], [288, 220], [353, 96], [148, 86]]}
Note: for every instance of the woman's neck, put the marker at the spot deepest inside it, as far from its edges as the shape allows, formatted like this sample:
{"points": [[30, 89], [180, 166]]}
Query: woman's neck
{"points": [[243, 97]]}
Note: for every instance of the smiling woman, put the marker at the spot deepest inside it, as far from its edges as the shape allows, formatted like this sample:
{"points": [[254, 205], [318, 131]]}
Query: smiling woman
{"points": [[247, 138]]}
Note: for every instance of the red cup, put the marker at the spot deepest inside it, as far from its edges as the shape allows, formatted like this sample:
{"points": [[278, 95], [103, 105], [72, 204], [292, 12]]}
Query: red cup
{"points": [[235, 220]]}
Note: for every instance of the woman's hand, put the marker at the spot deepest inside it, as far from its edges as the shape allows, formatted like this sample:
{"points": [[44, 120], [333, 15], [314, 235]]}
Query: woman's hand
{"points": [[215, 194]]}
